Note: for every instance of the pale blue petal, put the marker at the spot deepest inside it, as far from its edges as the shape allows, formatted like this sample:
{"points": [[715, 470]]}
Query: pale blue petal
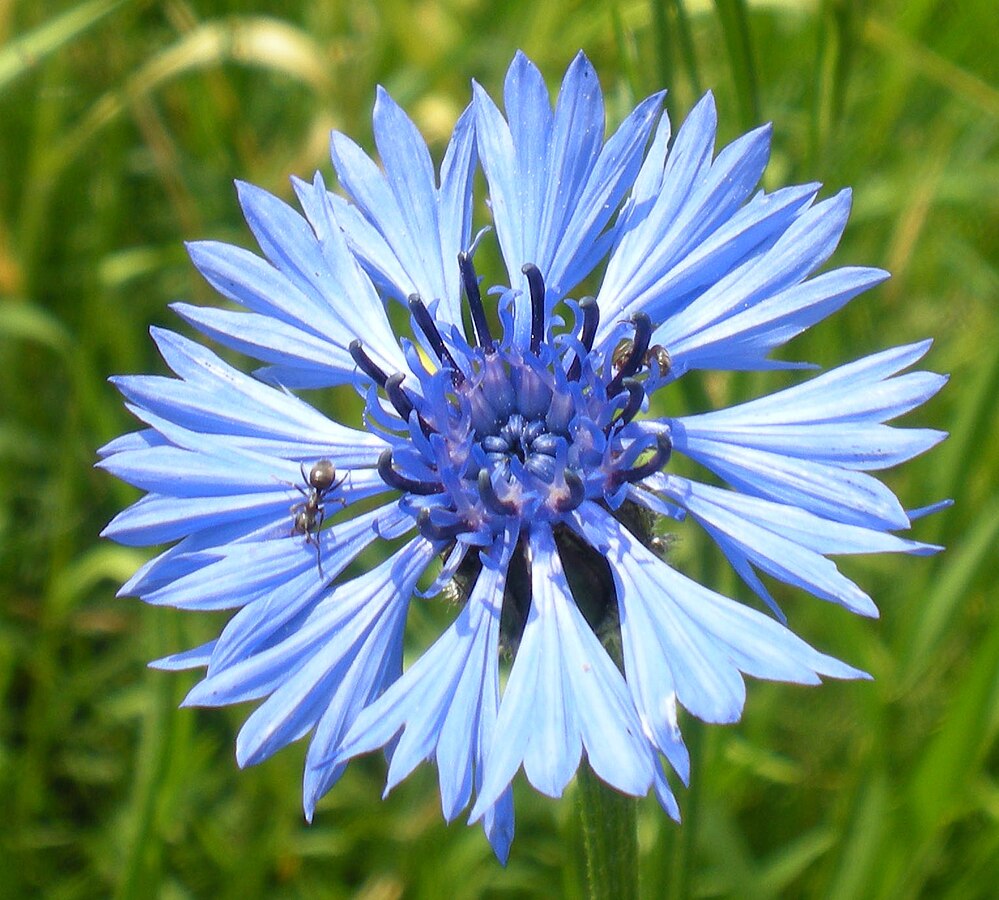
{"points": [[322, 268], [863, 446], [861, 391], [195, 658], [564, 694], [678, 278], [275, 342], [214, 398], [553, 185], [336, 627], [705, 639], [404, 229], [742, 334], [842, 495], [444, 706]]}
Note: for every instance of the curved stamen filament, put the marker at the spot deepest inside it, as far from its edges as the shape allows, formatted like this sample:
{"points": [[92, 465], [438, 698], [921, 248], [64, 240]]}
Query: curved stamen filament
{"points": [[479, 322], [366, 364], [400, 482], [591, 319], [659, 458], [397, 396], [489, 496], [434, 532], [575, 496], [636, 355], [636, 394], [537, 286], [426, 322]]}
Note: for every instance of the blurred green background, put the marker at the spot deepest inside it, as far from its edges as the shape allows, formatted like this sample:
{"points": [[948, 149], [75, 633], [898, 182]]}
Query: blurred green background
{"points": [[122, 126]]}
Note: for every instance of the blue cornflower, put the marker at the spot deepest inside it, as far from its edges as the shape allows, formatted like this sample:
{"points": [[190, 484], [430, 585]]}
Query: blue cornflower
{"points": [[517, 453]]}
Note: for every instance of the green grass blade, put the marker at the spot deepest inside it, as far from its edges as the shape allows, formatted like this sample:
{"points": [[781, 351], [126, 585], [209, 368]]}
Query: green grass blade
{"points": [[733, 16], [26, 52], [836, 45]]}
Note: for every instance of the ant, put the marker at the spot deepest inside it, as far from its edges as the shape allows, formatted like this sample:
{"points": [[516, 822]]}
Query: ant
{"points": [[657, 354], [309, 515]]}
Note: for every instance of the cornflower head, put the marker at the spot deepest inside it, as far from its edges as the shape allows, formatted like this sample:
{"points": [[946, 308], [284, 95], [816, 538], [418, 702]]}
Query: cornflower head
{"points": [[507, 444]]}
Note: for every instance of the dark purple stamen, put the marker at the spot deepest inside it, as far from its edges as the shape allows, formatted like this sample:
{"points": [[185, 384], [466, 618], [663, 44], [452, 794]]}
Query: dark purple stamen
{"points": [[489, 496], [537, 285], [397, 396], [664, 448], [366, 364], [426, 322], [577, 493], [434, 532], [591, 319], [400, 482], [636, 393], [479, 322], [636, 356]]}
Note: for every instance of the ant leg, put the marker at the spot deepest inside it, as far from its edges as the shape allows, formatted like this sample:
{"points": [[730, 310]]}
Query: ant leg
{"points": [[334, 486], [320, 518]]}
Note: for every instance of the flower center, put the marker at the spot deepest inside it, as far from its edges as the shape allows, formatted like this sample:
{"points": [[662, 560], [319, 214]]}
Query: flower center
{"points": [[500, 432]]}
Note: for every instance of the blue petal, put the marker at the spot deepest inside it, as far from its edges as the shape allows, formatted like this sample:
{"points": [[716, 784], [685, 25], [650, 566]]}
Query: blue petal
{"points": [[705, 640], [334, 632], [861, 391], [564, 694], [553, 187], [214, 398], [155, 519], [332, 317], [445, 704], [275, 342], [829, 491], [785, 541], [195, 658], [322, 268], [808, 445], [186, 473], [854, 445], [403, 228], [158, 519], [247, 570], [741, 335]]}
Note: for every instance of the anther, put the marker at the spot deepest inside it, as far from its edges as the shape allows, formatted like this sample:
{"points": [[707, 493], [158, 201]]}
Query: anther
{"points": [[576, 495], [479, 322], [366, 364], [426, 322], [591, 319], [635, 358], [489, 496], [659, 458], [434, 532], [636, 394], [400, 482], [537, 286], [397, 396]]}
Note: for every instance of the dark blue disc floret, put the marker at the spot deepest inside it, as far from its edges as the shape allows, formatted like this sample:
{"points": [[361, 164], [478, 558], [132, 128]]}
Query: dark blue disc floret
{"points": [[498, 432]]}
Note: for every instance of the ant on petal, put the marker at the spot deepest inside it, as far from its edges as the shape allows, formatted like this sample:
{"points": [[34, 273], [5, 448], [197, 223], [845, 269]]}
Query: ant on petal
{"points": [[309, 515], [657, 354]]}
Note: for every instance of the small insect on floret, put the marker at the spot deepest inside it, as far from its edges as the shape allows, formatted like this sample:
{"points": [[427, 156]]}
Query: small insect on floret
{"points": [[322, 475], [657, 354], [309, 515]]}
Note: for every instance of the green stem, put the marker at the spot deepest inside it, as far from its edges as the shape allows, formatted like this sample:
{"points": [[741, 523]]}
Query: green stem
{"points": [[610, 838], [681, 866]]}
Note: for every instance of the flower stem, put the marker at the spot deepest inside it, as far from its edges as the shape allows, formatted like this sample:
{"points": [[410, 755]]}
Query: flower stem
{"points": [[610, 838]]}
